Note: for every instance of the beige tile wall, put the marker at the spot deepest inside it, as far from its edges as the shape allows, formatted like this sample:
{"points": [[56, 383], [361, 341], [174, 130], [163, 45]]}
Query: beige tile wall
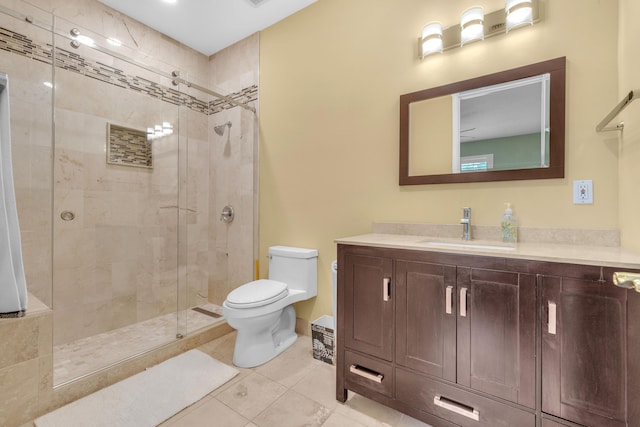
{"points": [[234, 179], [25, 364], [116, 262]]}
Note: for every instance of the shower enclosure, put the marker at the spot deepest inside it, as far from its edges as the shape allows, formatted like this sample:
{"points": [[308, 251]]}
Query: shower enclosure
{"points": [[122, 175]]}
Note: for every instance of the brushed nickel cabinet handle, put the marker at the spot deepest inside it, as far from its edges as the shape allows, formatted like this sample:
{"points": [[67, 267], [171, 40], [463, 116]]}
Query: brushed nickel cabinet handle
{"points": [[448, 299], [463, 302], [458, 408], [552, 318], [386, 288], [366, 373]]}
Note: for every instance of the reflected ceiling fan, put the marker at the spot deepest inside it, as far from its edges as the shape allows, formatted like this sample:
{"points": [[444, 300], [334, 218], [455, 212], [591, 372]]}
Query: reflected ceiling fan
{"points": [[467, 136]]}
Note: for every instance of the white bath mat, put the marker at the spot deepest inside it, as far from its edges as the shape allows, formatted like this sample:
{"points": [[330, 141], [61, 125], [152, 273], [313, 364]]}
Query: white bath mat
{"points": [[148, 398]]}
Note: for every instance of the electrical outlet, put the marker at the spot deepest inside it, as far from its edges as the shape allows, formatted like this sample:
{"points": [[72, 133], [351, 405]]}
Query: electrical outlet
{"points": [[583, 192]]}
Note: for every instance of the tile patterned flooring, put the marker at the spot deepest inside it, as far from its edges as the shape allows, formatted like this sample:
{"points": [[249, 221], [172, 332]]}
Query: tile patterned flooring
{"points": [[87, 355], [292, 390]]}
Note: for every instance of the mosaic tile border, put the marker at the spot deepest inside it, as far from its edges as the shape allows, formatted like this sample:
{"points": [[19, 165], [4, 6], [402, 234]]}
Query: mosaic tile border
{"points": [[128, 147], [16, 43]]}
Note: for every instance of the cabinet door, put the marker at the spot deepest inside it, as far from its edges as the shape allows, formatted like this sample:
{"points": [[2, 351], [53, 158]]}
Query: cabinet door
{"points": [[584, 372], [496, 333], [426, 318], [368, 305]]}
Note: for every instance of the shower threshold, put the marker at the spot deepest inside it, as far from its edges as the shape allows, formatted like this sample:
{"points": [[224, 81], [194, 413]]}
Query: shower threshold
{"points": [[86, 355]]}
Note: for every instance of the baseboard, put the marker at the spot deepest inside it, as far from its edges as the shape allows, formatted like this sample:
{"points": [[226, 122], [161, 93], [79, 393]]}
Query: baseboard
{"points": [[303, 327]]}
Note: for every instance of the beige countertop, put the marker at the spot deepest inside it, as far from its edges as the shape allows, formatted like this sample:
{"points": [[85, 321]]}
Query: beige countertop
{"points": [[606, 256]]}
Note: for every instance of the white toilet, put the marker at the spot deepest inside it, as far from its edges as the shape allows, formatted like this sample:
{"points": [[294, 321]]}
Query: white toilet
{"points": [[261, 310]]}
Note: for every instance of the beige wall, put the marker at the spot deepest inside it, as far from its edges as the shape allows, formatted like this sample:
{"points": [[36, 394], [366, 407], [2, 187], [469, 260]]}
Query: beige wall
{"points": [[331, 77], [434, 124], [629, 142]]}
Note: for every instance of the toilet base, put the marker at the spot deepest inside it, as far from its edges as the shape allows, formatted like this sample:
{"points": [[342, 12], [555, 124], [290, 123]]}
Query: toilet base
{"points": [[254, 348]]}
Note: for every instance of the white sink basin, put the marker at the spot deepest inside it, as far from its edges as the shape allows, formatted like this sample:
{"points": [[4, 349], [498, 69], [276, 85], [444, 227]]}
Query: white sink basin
{"points": [[466, 245]]}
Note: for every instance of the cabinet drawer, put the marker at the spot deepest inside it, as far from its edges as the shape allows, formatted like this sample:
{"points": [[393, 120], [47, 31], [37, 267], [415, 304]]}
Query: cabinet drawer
{"points": [[456, 405], [368, 372], [551, 423]]}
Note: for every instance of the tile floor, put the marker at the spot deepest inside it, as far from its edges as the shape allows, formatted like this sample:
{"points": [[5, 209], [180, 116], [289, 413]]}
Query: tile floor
{"points": [[294, 389], [89, 354]]}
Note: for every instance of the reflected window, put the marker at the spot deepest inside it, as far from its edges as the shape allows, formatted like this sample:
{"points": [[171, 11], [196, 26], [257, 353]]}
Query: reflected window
{"points": [[476, 163]]}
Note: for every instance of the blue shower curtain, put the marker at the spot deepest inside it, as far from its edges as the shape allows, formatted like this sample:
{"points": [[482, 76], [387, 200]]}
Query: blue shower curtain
{"points": [[13, 286]]}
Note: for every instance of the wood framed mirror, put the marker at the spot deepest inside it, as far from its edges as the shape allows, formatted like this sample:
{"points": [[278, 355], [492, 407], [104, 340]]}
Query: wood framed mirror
{"points": [[504, 126]]}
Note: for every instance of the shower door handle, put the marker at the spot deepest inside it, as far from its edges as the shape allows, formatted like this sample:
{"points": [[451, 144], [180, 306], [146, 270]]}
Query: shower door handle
{"points": [[227, 214]]}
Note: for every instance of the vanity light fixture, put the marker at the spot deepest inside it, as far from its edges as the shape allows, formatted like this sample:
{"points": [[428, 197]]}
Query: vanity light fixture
{"points": [[518, 12], [476, 25], [431, 41], [472, 25]]}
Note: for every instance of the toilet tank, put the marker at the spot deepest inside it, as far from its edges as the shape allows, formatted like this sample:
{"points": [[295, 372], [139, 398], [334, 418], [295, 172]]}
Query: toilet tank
{"points": [[297, 267]]}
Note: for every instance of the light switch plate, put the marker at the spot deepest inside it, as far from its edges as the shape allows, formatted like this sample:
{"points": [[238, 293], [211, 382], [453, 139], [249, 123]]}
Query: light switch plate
{"points": [[583, 192]]}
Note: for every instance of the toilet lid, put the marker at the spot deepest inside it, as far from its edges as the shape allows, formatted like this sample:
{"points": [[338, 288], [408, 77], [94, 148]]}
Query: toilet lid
{"points": [[257, 293]]}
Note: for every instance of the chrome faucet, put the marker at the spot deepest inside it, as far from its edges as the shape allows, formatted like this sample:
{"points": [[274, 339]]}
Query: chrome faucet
{"points": [[466, 223]]}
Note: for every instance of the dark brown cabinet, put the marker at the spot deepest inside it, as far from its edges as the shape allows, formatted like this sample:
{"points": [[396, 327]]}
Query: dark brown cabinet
{"points": [[497, 334], [584, 351], [368, 306], [461, 340], [367, 310], [426, 318], [423, 329], [472, 326]]}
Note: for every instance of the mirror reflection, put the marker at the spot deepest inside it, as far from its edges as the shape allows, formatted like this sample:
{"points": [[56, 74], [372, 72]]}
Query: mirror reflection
{"points": [[508, 125], [502, 127]]}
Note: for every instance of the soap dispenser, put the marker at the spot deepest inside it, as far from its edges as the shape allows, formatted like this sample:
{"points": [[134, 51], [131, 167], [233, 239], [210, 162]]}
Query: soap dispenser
{"points": [[509, 226]]}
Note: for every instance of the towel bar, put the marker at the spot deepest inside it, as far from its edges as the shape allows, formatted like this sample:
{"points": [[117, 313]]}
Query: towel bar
{"points": [[616, 110]]}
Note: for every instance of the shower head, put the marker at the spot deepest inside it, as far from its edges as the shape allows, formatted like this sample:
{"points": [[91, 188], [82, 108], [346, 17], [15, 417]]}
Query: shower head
{"points": [[220, 128]]}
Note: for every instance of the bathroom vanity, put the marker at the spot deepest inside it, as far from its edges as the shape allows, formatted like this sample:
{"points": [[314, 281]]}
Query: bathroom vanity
{"points": [[482, 336]]}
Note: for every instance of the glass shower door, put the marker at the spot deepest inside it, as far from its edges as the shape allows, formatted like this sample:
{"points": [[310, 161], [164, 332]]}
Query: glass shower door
{"points": [[115, 208]]}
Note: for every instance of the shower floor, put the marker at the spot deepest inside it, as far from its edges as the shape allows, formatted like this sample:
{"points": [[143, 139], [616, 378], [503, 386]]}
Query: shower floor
{"points": [[86, 355]]}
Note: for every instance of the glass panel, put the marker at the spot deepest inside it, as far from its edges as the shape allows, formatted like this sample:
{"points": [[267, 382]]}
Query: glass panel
{"points": [[116, 199], [120, 199]]}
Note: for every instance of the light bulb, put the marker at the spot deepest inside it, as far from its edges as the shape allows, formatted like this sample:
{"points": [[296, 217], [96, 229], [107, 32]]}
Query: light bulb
{"points": [[519, 12], [472, 25], [431, 39]]}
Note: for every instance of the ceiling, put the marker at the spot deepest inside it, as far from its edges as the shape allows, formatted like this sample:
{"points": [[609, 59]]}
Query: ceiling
{"points": [[503, 113], [208, 26]]}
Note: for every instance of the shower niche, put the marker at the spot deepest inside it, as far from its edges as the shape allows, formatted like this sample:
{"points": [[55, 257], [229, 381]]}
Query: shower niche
{"points": [[128, 147]]}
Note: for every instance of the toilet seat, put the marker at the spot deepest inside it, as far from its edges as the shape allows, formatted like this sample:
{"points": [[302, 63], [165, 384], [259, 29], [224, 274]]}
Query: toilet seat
{"points": [[257, 293]]}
